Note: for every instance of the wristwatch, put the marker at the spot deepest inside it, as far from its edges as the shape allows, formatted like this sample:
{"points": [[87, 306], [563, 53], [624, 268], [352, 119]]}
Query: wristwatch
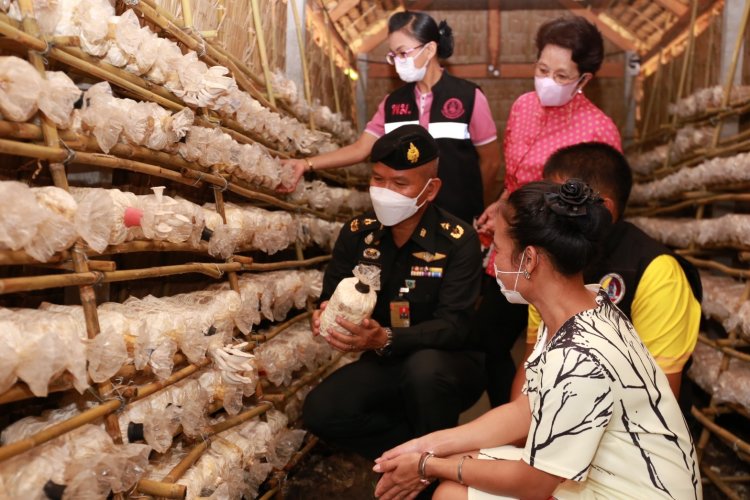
{"points": [[386, 349]]}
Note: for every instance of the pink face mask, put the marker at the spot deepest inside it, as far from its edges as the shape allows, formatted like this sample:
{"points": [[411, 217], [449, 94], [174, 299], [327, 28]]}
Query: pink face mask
{"points": [[552, 93]]}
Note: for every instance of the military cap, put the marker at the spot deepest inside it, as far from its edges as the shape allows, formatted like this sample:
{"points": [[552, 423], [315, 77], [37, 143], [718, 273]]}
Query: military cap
{"points": [[406, 147]]}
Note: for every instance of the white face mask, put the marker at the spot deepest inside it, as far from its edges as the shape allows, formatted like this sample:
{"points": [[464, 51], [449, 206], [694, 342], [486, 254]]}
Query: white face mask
{"points": [[513, 296], [407, 71], [392, 207], [552, 93]]}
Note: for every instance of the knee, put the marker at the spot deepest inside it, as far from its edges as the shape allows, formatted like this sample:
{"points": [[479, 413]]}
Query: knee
{"points": [[448, 490], [423, 369], [316, 412]]}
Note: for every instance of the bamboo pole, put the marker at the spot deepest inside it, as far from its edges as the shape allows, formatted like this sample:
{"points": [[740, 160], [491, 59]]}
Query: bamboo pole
{"points": [[709, 474], [187, 14], [739, 42], [652, 96], [280, 327], [686, 66], [332, 63], [705, 200], [59, 429], [214, 270], [709, 264], [161, 490], [219, 199], [254, 195], [736, 442], [179, 470], [303, 57], [261, 41]]}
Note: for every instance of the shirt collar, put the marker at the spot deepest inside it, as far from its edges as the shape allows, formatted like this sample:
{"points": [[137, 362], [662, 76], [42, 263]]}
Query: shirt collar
{"points": [[425, 232]]}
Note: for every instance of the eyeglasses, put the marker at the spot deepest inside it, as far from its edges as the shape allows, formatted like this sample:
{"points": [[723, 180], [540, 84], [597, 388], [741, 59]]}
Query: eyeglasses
{"points": [[401, 55], [561, 78]]}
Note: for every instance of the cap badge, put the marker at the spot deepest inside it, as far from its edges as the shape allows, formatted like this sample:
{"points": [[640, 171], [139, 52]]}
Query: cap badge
{"points": [[413, 153]]}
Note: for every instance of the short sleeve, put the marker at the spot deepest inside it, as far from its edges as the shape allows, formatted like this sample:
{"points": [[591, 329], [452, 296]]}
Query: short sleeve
{"points": [[666, 314], [482, 128], [571, 405], [376, 125], [532, 327]]}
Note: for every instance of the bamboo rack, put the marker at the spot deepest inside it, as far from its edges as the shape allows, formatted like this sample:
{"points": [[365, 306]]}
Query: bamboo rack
{"points": [[43, 142]]}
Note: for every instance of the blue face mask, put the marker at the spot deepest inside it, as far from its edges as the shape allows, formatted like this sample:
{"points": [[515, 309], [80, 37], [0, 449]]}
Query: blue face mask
{"points": [[513, 296]]}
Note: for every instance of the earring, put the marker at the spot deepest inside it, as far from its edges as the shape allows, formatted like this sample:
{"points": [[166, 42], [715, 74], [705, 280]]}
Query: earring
{"points": [[526, 274]]}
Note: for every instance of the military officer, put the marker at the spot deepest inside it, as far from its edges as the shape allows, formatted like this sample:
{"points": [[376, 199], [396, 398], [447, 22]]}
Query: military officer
{"points": [[418, 369]]}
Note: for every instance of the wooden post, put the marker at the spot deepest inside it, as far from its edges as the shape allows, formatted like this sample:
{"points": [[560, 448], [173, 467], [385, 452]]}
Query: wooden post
{"points": [[219, 198], [260, 39]]}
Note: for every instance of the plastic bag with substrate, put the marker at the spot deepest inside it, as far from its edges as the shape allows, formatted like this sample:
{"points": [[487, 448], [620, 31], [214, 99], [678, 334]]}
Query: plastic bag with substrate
{"points": [[20, 86], [353, 300], [57, 230], [57, 96], [20, 215]]}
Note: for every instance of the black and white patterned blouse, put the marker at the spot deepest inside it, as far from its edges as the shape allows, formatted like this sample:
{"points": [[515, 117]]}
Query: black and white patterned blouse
{"points": [[603, 413]]}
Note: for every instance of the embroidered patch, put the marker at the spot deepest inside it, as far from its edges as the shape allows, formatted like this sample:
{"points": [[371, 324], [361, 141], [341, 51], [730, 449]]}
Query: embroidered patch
{"points": [[429, 257], [371, 253], [457, 232], [453, 108], [427, 272], [614, 285], [354, 226], [400, 109]]}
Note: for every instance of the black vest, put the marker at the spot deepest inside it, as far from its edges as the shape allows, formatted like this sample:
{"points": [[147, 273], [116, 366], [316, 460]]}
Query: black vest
{"points": [[626, 254], [450, 114]]}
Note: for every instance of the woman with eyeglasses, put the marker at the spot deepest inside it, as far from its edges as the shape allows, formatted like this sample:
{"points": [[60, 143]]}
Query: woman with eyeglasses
{"points": [[570, 51], [597, 414], [455, 111]]}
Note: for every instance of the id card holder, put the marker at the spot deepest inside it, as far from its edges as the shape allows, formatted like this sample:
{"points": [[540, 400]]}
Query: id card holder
{"points": [[400, 314]]}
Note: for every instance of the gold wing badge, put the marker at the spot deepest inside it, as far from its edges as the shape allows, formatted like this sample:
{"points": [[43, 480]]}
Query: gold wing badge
{"points": [[429, 257]]}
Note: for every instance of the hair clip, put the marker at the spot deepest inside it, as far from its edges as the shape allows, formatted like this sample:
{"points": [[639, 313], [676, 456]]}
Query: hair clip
{"points": [[571, 198]]}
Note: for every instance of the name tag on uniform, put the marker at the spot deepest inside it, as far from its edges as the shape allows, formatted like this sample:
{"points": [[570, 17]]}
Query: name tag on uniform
{"points": [[427, 272], [400, 313]]}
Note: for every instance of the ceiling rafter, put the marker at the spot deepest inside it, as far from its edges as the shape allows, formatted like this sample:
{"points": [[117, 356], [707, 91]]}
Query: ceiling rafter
{"points": [[618, 38]]}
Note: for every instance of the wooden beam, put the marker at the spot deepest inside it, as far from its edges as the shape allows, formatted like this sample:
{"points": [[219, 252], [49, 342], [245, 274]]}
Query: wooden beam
{"points": [[342, 8], [682, 27], [320, 28], [674, 6], [493, 32], [384, 70], [607, 31]]}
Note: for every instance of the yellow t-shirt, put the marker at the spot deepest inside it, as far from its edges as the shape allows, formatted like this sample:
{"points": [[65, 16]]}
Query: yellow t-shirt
{"points": [[664, 312]]}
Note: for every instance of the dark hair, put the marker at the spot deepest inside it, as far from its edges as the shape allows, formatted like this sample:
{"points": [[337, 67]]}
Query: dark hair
{"points": [[567, 221], [599, 165], [577, 34], [424, 29]]}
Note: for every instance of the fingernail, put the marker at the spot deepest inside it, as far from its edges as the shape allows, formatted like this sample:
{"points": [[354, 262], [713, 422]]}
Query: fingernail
{"points": [[376, 468]]}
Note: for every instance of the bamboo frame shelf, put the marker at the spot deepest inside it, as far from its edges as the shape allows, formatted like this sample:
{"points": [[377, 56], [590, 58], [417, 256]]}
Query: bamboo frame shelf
{"points": [[715, 258], [60, 148]]}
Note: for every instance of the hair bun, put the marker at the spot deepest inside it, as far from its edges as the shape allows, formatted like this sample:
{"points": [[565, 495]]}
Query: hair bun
{"points": [[571, 198], [445, 40]]}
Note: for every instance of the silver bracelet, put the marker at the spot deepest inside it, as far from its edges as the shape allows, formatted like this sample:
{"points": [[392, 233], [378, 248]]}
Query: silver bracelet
{"points": [[460, 469]]}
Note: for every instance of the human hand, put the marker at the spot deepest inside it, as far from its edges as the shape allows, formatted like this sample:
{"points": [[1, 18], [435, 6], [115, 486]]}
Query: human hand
{"points": [[315, 320], [400, 478], [366, 336], [412, 446], [299, 166], [485, 224]]}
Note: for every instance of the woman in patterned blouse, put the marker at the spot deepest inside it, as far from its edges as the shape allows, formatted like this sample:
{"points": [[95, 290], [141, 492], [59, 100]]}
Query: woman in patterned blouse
{"points": [[600, 417]]}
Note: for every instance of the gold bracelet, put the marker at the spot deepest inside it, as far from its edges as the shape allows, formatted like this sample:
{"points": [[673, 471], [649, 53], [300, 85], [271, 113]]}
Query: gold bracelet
{"points": [[309, 165], [460, 469]]}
